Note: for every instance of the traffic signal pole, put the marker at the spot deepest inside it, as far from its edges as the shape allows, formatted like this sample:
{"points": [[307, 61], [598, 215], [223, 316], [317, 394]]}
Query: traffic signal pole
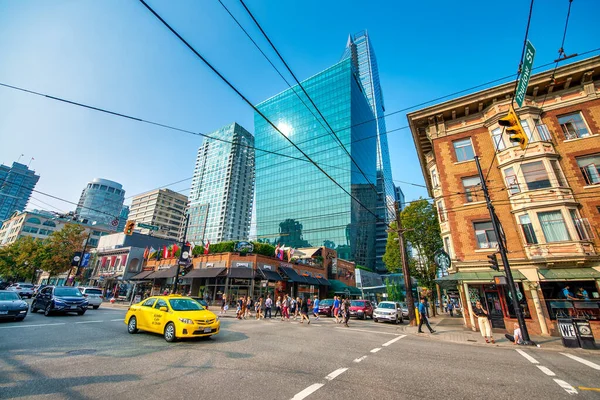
{"points": [[187, 220], [502, 250]]}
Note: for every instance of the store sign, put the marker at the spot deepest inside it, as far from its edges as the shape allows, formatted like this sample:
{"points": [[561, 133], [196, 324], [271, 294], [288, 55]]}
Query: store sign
{"points": [[567, 330], [244, 247], [242, 265], [242, 282]]}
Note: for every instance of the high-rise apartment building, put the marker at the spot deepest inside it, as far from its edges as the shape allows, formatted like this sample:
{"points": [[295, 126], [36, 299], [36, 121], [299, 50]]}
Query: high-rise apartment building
{"points": [[123, 217], [101, 201], [16, 184], [220, 204], [297, 205], [162, 208], [360, 50]]}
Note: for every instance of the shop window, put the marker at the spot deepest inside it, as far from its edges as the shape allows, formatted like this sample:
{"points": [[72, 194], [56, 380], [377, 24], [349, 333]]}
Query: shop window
{"points": [[464, 150], [520, 298], [573, 299], [536, 176], [553, 226], [527, 228], [512, 184], [485, 235], [590, 168], [573, 126]]}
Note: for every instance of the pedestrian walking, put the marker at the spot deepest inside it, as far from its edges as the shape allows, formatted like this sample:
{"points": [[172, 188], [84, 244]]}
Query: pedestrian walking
{"points": [[240, 306], [451, 308], [285, 308], [268, 306], [336, 309], [249, 303], [278, 307], [423, 317], [346, 311], [293, 308], [316, 308], [484, 322], [224, 304], [304, 311], [258, 308]]}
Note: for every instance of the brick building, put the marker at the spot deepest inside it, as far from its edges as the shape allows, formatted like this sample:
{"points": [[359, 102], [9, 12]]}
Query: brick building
{"points": [[547, 197]]}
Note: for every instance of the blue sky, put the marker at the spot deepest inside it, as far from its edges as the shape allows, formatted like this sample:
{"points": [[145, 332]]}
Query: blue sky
{"points": [[114, 54]]}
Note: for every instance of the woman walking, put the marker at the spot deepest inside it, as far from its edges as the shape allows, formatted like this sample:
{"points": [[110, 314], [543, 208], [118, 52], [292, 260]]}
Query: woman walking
{"points": [[224, 304], [278, 307], [304, 310], [258, 309], [285, 306], [484, 323]]}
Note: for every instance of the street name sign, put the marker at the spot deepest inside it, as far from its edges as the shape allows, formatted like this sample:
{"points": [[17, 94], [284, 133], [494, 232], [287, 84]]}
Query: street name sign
{"points": [[525, 74], [146, 226]]}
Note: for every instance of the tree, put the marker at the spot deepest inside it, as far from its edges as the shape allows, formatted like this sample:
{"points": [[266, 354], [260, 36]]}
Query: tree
{"points": [[61, 247], [21, 259], [394, 290], [392, 258]]}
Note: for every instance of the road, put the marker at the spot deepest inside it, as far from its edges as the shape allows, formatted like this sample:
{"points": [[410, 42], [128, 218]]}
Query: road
{"points": [[93, 357]]}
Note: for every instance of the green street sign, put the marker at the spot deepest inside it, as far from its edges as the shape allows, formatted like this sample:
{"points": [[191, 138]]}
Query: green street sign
{"points": [[525, 74], [146, 226]]}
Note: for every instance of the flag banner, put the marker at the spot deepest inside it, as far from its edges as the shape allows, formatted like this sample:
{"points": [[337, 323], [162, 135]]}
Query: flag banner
{"points": [[146, 253], [206, 249], [166, 252]]}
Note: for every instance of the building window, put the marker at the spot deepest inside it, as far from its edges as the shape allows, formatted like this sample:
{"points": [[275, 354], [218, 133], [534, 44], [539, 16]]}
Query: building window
{"points": [[543, 131], [560, 178], [525, 126], [472, 186], [582, 226], [464, 150], [511, 181], [553, 226], [573, 126], [434, 177], [441, 211], [527, 228], [497, 138], [536, 176], [590, 168], [34, 220], [485, 235], [447, 245]]}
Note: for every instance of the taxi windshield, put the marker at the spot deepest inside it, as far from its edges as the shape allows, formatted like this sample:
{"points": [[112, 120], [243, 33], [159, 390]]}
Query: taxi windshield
{"points": [[185, 305]]}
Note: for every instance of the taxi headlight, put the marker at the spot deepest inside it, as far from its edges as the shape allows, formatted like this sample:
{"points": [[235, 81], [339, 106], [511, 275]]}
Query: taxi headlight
{"points": [[186, 321], [217, 319]]}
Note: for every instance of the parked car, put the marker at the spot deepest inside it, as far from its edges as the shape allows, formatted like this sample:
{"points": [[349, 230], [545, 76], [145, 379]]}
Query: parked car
{"points": [[361, 309], [201, 301], [37, 288], [22, 288], [172, 316], [388, 311], [404, 310], [326, 307], [60, 299], [93, 295], [12, 306]]}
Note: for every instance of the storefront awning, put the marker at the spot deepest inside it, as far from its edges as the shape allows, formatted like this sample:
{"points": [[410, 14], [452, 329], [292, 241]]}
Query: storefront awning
{"points": [[141, 276], [269, 275], [241, 272], [480, 276], [164, 273], [311, 281], [340, 287], [205, 272], [563, 274], [323, 282], [292, 274]]}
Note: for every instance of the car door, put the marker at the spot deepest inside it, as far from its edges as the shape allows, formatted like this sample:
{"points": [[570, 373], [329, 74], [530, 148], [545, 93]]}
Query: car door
{"points": [[42, 298], [144, 314], [159, 317]]}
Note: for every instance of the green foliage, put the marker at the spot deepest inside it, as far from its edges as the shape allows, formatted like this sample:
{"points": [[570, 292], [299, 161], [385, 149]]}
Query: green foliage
{"points": [[222, 247], [392, 258], [198, 250], [394, 290], [264, 249], [358, 266], [60, 248]]}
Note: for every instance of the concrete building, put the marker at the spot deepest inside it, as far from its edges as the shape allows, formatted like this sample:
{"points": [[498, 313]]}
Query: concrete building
{"points": [[220, 206], [101, 201], [16, 184], [547, 197], [162, 208]]}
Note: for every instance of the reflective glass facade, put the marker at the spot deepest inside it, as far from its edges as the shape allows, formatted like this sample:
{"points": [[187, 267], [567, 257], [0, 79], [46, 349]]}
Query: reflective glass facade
{"points": [[360, 51], [296, 204], [101, 201], [16, 184]]}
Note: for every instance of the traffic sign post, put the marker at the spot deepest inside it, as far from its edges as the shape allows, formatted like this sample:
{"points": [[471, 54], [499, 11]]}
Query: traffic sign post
{"points": [[525, 74], [146, 226]]}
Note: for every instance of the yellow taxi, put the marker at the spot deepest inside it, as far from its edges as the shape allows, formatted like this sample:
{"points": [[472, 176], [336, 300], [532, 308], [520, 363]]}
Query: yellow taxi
{"points": [[172, 316]]}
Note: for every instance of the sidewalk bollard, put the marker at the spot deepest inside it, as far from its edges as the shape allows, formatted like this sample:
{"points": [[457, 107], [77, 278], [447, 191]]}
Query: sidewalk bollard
{"points": [[417, 316]]}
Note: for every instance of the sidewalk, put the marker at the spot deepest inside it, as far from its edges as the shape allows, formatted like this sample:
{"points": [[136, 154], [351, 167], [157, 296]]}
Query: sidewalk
{"points": [[452, 329]]}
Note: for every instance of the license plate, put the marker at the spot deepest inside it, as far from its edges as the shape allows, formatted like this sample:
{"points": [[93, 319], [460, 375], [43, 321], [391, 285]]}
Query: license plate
{"points": [[73, 307], [3, 312], [207, 330]]}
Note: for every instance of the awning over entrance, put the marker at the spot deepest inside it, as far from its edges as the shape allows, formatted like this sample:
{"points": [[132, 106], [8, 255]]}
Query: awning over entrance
{"points": [[269, 275], [241, 272], [480, 276], [310, 280], [141, 276], [340, 287], [323, 282], [205, 272], [563, 274], [292, 275], [164, 273]]}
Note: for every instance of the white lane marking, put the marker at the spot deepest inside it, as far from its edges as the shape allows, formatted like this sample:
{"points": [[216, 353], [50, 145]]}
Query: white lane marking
{"points": [[376, 349], [568, 388], [119, 319], [308, 391], [583, 361], [527, 356], [336, 373], [31, 326], [546, 370], [386, 344], [368, 331], [88, 322], [357, 360]]}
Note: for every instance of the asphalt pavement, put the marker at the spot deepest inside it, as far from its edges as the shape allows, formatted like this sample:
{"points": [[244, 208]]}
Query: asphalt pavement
{"points": [[93, 357]]}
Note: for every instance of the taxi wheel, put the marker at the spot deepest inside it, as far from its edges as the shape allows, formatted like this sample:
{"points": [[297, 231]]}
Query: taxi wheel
{"points": [[170, 332], [132, 325]]}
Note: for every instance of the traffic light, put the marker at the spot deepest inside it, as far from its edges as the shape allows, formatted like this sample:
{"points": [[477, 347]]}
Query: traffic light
{"points": [[493, 262], [514, 128], [185, 270], [129, 227]]}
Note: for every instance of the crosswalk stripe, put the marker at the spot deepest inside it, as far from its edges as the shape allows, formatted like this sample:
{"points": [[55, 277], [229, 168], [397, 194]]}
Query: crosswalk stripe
{"points": [[583, 361], [568, 388], [527, 356]]}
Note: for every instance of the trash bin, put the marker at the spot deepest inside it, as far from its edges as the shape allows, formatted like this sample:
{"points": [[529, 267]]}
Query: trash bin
{"points": [[568, 332], [584, 334]]}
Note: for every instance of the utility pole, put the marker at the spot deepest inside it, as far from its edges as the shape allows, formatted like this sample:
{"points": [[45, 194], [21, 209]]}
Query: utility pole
{"points": [[502, 250], [187, 221], [410, 302], [80, 260]]}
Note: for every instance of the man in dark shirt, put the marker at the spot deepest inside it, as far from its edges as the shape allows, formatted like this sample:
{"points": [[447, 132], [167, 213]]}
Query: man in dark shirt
{"points": [[423, 317]]}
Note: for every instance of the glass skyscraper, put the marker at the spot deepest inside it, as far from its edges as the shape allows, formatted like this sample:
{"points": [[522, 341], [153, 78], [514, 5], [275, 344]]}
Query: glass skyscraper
{"points": [[360, 51], [220, 202], [296, 204], [101, 201], [16, 184]]}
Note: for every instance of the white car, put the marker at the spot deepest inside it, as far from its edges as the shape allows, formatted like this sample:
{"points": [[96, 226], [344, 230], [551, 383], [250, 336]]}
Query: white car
{"points": [[388, 311], [22, 288], [93, 295]]}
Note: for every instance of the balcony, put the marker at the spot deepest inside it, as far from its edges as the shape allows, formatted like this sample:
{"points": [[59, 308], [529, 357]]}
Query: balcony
{"points": [[541, 198], [533, 149], [560, 250]]}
